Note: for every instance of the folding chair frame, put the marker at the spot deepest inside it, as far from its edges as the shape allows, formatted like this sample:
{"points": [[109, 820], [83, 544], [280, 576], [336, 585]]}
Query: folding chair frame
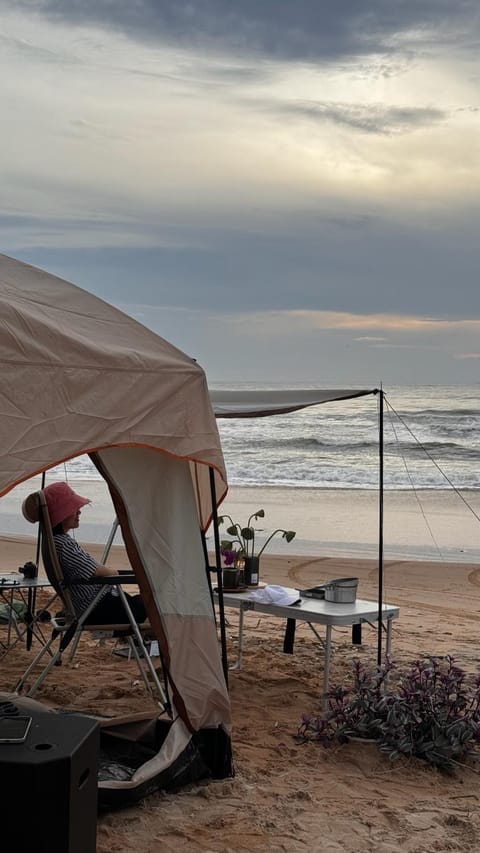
{"points": [[69, 627]]}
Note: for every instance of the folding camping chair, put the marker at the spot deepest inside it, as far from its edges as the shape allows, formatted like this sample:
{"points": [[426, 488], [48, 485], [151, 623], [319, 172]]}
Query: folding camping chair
{"points": [[69, 627]]}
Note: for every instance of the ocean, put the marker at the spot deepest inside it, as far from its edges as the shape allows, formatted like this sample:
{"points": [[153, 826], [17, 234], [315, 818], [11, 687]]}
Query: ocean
{"points": [[316, 471], [431, 441]]}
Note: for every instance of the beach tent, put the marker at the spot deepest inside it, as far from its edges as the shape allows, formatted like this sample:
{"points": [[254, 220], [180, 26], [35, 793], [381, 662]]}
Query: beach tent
{"points": [[80, 377]]}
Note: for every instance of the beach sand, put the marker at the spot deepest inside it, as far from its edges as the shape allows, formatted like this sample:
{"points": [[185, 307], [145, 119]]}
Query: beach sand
{"points": [[425, 524], [288, 796]]}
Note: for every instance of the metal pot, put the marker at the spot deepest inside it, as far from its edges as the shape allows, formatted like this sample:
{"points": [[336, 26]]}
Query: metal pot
{"points": [[341, 590]]}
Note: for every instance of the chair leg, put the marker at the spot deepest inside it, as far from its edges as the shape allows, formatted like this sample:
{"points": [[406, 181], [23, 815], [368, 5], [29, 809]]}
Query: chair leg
{"points": [[21, 683], [134, 652], [141, 645], [157, 685], [75, 643], [52, 662]]}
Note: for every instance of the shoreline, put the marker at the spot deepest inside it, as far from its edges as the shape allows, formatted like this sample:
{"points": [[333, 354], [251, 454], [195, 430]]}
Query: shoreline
{"points": [[426, 525]]}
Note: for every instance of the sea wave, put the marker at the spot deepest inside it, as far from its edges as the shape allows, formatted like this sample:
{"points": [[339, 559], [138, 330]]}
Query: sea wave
{"points": [[336, 445]]}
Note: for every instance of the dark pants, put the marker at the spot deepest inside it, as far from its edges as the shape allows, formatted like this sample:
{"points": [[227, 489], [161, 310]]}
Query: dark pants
{"points": [[110, 610]]}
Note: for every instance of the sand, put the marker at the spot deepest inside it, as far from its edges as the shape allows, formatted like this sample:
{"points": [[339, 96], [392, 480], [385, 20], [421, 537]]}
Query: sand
{"points": [[288, 796], [428, 524]]}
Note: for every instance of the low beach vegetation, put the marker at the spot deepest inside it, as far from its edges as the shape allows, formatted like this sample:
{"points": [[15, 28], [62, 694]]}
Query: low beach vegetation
{"points": [[430, 711]]}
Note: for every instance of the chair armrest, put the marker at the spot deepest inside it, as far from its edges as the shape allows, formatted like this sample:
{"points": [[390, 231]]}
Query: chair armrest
{"points": [[114, 579], [103, 580]]}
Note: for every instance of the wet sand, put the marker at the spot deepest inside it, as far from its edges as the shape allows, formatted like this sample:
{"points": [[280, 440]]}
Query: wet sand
{"points": [[426, 525]]}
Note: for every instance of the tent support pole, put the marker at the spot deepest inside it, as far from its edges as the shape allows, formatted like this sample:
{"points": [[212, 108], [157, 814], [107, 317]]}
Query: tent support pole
{"points": [[32, 592], [109, 542], [380, 533], [207, 566], [221, 606]]}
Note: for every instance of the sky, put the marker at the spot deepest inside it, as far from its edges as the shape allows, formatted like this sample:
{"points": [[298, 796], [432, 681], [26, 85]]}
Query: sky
{"points": [[288, 192]]}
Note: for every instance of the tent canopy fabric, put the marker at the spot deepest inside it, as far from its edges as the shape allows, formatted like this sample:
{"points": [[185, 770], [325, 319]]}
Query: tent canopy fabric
{"points": [[262, 403], [77, 377]]}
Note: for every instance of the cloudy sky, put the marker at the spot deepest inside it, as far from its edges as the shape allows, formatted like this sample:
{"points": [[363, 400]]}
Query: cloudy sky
{"points": [[286, 191]]}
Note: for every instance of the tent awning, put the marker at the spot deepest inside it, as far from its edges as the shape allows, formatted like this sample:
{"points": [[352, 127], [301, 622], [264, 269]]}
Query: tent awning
{"points": [[258, 403]]}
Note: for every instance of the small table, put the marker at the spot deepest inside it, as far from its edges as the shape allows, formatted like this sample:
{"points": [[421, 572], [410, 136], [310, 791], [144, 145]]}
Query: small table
{"points": [[313, 611], [12, 582]]}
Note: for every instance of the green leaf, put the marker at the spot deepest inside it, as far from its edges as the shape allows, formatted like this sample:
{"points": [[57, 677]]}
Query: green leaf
{"points": [[248, 533]]}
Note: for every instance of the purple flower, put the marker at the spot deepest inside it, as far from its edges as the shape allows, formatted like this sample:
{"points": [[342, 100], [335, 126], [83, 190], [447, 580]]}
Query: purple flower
{"points": [[229, 556]]}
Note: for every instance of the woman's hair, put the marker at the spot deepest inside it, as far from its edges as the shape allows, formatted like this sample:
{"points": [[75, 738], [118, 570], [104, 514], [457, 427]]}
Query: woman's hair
{"points": [[58, 528]]}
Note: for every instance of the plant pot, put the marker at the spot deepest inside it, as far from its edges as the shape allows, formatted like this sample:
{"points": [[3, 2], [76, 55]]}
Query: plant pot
{"points": [[230, 578], [251, 571]]}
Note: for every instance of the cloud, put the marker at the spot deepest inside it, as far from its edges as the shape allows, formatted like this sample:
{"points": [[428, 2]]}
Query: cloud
{"points": [[30, 51], [268, 345], [391, 322], [409, 347], [277, 28], [279, 323], [333, 266], [337, 320], [254, 172], [367, 118]]}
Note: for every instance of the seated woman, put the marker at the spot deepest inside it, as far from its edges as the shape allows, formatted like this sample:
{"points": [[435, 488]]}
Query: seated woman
{"points": [[64, 508]]}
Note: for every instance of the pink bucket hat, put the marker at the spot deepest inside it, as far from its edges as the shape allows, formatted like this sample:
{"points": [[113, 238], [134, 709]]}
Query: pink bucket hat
{"points": [[62, 501]]}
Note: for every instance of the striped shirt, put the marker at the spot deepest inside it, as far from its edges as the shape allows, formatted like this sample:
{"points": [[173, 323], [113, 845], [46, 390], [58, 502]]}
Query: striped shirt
{"points": [[77, 565]]}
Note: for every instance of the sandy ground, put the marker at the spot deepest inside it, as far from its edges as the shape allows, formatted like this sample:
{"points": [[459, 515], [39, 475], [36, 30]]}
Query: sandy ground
{"points": [[288, 796]]}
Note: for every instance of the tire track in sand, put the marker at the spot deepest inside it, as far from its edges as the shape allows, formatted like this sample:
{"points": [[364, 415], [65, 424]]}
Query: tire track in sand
{"points": [[294, 571]]}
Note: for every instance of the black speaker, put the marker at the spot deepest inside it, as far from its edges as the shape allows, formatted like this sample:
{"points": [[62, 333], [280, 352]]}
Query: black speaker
{"points": [[49, 784]]}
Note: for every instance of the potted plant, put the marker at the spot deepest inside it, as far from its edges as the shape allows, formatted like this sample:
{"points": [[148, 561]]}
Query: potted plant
{"points": [[244, 537], [231, 572]]}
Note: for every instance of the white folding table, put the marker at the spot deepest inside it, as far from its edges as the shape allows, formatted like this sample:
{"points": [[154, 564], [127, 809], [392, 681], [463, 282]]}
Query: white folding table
{"points": [[315, 612]]}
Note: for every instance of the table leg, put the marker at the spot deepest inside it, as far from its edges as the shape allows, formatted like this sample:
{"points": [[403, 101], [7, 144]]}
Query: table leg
{"points": [[11, 617], [289, 638], [357, 634], [29, 616], [389, 636], [326, 667], [238, 662]]}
